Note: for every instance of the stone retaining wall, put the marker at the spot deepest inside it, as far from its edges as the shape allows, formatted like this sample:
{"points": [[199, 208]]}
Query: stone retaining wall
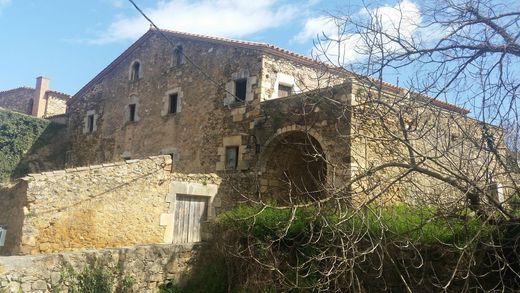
{"points": [[144, 268], [110, 205]]}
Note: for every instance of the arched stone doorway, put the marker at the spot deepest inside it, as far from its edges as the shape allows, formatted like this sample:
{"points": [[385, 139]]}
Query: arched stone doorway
{"points": [[294, 167]]}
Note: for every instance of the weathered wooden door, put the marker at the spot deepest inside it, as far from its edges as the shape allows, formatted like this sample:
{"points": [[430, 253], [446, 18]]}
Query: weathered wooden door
{"points": [[190, 212]]}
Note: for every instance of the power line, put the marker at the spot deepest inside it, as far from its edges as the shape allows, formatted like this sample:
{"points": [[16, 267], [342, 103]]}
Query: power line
{"points": [[207, 76]]}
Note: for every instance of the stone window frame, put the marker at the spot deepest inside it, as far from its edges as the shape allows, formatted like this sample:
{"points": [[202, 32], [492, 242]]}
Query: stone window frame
{"points": [[133, 99], [239, 141], [284, 80], [166, 101], [3, 233], [178, 54], [131, 70], [86, 129], [230, 98], [191, 189]]}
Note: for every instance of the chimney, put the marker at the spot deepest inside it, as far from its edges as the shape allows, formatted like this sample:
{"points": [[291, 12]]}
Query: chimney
{"points": [[39, 103]]}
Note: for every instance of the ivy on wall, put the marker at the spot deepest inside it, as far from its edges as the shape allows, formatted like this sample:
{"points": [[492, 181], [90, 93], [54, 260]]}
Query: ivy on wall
{"points": [[21, 134]]}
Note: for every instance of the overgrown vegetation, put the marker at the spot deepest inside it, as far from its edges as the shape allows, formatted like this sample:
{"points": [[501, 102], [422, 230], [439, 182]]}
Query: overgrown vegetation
{"points": [[96, 277], [209, 277], [19, 135], [425, 225], [270, 248]]}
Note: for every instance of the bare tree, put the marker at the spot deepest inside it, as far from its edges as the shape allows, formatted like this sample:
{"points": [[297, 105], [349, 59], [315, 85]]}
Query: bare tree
{"points": [[425, 177]]}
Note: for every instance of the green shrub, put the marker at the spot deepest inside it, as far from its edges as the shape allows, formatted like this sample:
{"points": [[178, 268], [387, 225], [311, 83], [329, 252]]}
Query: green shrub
{"points": [[96, 277], [19, 134], [398, 222], [268, 223]]}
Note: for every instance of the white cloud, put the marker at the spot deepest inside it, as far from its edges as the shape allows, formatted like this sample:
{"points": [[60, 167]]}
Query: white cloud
{"points": [[315, 27], [226, 18], [342, 47]]}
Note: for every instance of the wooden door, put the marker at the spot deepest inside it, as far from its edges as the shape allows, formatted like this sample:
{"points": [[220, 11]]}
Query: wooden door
{"points": [[190, 212]]}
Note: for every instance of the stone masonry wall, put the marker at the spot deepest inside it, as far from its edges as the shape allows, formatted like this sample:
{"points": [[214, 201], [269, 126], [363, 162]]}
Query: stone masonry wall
{"points": [[54, 105], [193, 134], [452, 141], [107, 205], [208, 118], [147, 267], [18, 100]]}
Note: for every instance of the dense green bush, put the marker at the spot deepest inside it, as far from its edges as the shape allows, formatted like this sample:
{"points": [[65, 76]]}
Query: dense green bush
{"points": [[19, 134], [317, 248]]}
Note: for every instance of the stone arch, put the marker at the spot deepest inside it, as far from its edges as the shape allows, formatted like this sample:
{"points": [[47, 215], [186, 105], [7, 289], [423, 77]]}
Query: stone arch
{"points": [[293, 163]]}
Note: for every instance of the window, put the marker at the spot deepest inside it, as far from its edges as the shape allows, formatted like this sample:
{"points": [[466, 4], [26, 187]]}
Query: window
{"points": [[231, 157], [135, 73], [240, 89], [90, 123], [284, 90], [3, 232], [179, 55], [172, 108], [131, 112]]}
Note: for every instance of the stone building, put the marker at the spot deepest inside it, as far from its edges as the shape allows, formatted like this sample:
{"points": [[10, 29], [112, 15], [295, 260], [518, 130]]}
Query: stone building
{"points": [[39, 101], [221, 105], [182, 122]]}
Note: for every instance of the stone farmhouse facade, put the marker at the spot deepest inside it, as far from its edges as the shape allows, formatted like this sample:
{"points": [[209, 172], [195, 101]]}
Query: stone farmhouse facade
{"points": [[181, 126], [220, 105], [39, 101]]}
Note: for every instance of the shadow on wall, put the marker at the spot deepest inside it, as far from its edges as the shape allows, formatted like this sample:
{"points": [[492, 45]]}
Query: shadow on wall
{"points": [[13, 199]]}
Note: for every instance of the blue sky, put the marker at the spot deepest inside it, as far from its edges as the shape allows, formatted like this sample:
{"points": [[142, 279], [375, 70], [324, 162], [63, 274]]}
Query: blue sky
{"points": [[70, 41]]}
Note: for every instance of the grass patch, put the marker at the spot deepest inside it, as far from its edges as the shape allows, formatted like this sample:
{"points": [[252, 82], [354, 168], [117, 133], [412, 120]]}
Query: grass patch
{"points": [[424, 225]]}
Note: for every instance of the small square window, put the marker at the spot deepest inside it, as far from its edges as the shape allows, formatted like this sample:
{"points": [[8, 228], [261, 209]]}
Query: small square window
{"points": [[131, 112], [231, 157], [284, 90], [172, 108], [90, 123], [240, 89]]}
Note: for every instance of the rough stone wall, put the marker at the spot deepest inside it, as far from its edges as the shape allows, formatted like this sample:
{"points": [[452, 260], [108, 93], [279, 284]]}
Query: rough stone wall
{"points": [[209, 120], [54, 105], [452, 141], [148, 267], [18, 100], [313, 115], [107, 205], [192, 135], [279, 71]]}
